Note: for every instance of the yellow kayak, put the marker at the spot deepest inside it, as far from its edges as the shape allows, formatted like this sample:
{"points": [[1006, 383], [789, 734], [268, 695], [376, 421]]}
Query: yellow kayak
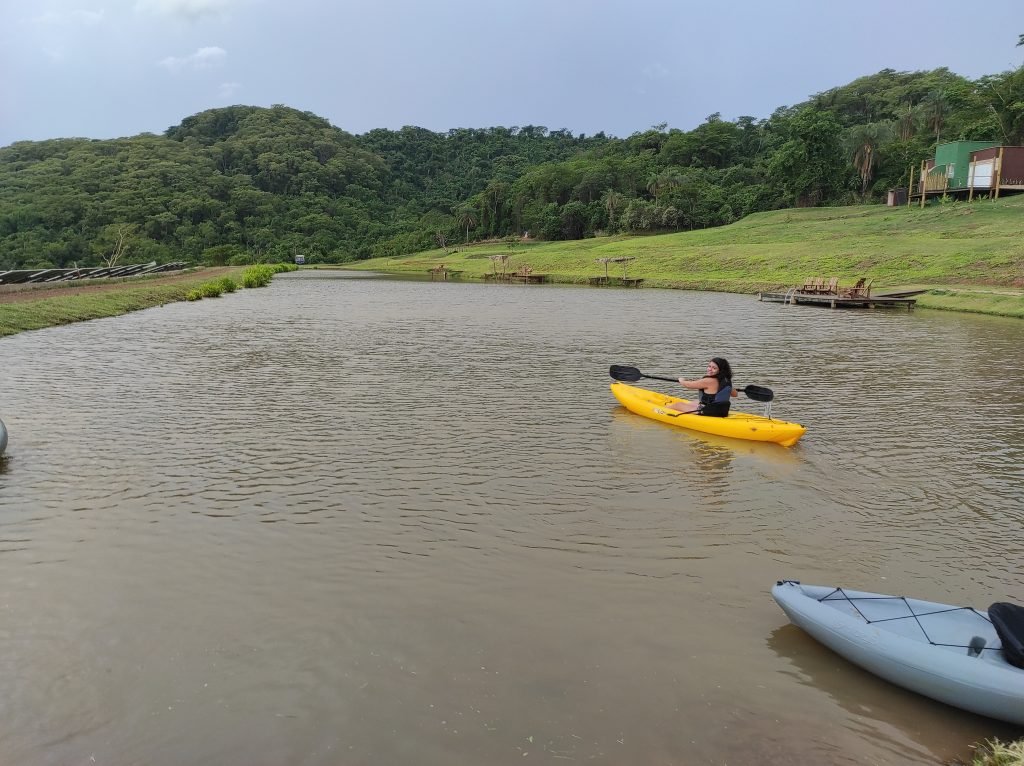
{"points": [[738, 425]]}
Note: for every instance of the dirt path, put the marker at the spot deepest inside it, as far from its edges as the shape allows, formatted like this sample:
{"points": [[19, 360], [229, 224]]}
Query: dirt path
{"points": [[37, 292]]}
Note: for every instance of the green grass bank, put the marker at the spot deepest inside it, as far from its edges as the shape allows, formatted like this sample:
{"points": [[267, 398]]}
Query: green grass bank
{"points": [[81, 302], [969, 255], [77, 302]]}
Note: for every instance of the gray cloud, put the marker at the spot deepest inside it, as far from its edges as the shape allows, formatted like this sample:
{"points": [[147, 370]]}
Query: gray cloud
{"points": [[56, 33], [204, 58], [78, 17], [66, 66], [187, 9]]}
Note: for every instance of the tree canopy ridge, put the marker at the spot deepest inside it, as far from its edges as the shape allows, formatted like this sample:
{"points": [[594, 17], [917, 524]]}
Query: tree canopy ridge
{"points": [[242, 183]]}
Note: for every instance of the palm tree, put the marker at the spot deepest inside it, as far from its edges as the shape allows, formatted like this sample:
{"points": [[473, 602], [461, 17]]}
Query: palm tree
{"points": [[671, 179], [908, 123], [936, 112], [466, 219], [666, 179], [654, 187], [612, 201], [863, 144]]}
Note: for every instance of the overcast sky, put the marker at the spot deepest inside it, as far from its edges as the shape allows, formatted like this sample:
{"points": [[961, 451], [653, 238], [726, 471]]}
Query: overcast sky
{"points": [[106, 68]]}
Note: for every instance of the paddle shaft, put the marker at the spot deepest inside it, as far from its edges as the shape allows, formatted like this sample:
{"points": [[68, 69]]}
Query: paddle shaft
{"points": [[632, 374]]}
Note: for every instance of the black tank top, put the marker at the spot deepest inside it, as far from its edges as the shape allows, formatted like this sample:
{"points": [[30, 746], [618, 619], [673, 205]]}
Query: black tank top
{"points": [[716, 405]]}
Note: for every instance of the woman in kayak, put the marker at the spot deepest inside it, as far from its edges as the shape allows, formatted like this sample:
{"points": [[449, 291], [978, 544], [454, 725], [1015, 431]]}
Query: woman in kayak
{"points": [[715, 391]]}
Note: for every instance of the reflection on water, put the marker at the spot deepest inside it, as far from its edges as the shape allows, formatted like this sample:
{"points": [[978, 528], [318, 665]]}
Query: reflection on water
{"points": [[713, 463], [874, 704], [364, 521]]}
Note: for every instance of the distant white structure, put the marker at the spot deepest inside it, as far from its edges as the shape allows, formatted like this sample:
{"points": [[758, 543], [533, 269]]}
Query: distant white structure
{"points": [[300, 259]]}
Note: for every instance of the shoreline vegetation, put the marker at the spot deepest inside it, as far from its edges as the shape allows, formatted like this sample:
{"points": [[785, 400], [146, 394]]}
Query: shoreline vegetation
{"points": [[969, 256], [996, 753], [23, 310]]}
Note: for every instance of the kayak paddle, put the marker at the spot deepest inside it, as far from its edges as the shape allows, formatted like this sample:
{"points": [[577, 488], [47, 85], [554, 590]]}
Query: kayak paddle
{"points": [[632, 375]]}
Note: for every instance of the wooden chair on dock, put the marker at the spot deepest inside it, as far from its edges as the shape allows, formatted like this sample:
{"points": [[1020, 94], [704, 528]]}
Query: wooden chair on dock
{"points": [[860, 290], [831, 287], [813, 285], [850, 292]]}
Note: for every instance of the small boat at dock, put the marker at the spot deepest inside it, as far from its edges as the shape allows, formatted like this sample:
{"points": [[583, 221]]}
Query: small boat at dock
{"points": [[902, 294]]}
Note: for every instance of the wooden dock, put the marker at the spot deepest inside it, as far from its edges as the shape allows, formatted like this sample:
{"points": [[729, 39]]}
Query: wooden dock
{"points": [[623, 281], [442, 272], [837, 301], [526, 279], [614, 282]]}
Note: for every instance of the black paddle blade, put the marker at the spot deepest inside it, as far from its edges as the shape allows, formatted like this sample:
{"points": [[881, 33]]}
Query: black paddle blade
{"points": [[759, 393], [625, 374]]}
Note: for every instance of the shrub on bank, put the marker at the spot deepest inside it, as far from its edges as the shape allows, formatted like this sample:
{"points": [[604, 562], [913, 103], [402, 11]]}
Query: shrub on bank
{"points": [[254, 276], [258, 275], [995, 753], [211, 289], [261, 274]]}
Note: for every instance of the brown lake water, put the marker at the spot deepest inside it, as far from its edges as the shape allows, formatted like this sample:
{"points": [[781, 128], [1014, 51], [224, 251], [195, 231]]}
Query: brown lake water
{"points": [[345, 520]]}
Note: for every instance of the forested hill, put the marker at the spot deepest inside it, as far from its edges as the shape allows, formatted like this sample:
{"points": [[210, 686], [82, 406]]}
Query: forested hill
{"points": [[243, 183]]}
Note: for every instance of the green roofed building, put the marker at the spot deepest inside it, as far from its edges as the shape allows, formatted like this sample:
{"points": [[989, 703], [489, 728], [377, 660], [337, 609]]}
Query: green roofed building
{"points": [[950, 170]]}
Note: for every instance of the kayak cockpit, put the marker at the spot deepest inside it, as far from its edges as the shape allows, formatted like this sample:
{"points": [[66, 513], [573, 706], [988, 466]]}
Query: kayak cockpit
{"points": [[1008, 620]]}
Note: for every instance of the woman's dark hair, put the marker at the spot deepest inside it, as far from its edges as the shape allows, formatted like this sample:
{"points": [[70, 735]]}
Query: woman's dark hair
{"points": [[724, 370]]}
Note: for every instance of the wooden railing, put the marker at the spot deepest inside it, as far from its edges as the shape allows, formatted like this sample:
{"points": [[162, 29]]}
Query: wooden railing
{"points": [[933, 183]]}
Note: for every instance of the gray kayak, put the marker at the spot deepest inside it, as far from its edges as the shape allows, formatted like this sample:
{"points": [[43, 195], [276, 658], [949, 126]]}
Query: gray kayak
{"points": [[3, 437], [949, 653]]}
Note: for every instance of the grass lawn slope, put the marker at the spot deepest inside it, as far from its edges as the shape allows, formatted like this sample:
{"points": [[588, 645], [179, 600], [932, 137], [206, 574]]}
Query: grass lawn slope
{"points": [[970, 255]]}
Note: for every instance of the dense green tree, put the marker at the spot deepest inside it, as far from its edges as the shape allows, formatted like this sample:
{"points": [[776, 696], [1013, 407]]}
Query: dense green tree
{"points": [[809, 165], [1004, 96], [575, 220], [245, 183]]}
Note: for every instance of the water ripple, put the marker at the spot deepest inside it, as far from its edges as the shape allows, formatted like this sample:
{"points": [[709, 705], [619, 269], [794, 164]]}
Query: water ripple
{"points": [[299, 520]]}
